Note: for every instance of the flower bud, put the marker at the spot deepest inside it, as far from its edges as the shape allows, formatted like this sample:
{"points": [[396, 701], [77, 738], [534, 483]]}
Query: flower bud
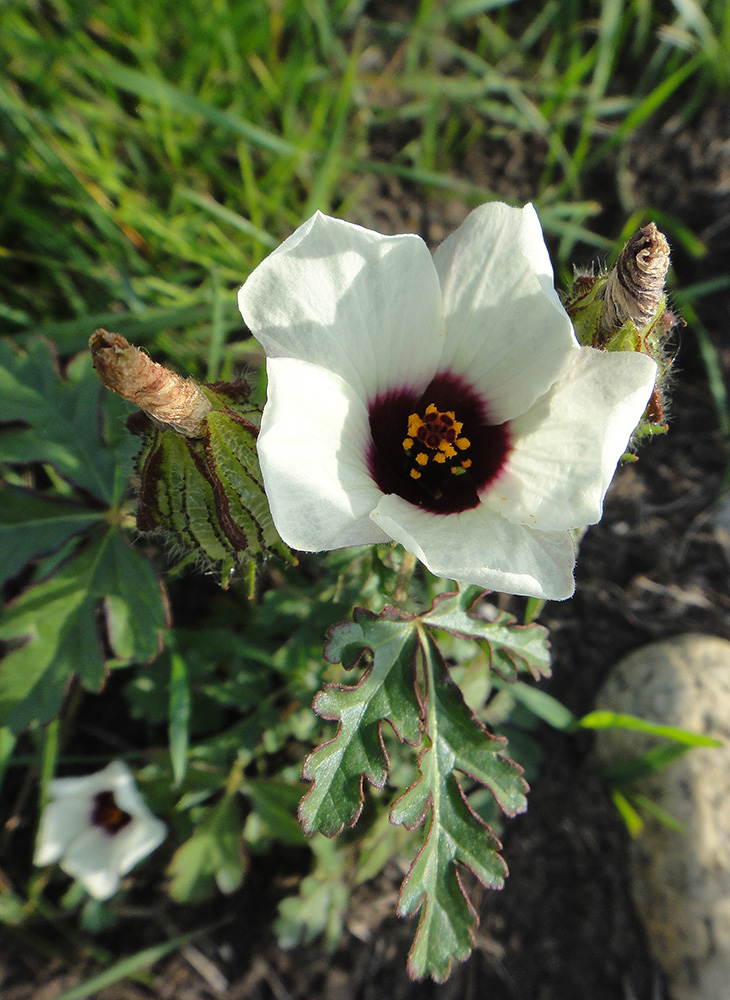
{"points": [[200, 480], [634, 289], [624, 309]]}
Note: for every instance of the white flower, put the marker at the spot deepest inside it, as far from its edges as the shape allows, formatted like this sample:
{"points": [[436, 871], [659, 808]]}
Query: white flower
{"points": [[98, 827], [443, 402]]}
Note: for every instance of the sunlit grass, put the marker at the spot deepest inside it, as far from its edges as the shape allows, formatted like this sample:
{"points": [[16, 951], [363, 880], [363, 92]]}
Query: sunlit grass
{"points": [[153, 154]]}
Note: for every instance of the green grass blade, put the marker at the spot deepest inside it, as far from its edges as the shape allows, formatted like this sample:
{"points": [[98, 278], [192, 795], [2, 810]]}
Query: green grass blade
{"points": [[621, 720], [132, 966]]}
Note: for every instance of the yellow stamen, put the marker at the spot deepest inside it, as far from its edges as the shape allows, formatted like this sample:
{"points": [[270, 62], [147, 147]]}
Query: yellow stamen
{"points": [[408, 444], [447, 449], [463, 443], [415, 474], [432, 408], [422, 458], [439, 457], [414, 422], [466, 464]]}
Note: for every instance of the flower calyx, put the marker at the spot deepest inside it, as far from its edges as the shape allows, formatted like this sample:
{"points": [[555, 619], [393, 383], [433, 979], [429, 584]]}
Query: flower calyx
{"points": [[200, 483], [625, 309]]}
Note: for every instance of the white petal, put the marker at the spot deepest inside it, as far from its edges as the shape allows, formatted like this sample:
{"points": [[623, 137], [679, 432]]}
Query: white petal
{"points": [[313, 447], [136, 841], [567, 445], [90, 784], [98, 860], [366, 306], [61, 823], [91, 860], [507, 331], [124, 789], [478, 546]]}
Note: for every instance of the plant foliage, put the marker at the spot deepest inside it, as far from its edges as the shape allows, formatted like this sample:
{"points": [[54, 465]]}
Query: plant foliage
{"points": [[406, 683], [91, 599]]}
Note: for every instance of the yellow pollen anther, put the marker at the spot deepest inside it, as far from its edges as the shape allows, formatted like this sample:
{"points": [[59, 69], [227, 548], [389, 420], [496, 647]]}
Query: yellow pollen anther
{"points": [[436, 434], [414, 422]]}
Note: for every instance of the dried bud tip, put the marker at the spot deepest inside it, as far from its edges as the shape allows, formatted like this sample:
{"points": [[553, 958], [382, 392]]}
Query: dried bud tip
{"points": [[635, 287], [164, 396]]}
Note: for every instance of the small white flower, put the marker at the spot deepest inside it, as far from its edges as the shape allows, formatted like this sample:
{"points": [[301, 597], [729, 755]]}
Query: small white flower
{"points": [[98, 827], [443, 402]]}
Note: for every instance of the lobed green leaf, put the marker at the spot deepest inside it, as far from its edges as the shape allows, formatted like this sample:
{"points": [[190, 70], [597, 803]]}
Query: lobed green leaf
{"points": [[33, 525], [407, 683], [74, 425], [384, 693], [213, 856], [512, 649], [55, 627], [456, 742]]}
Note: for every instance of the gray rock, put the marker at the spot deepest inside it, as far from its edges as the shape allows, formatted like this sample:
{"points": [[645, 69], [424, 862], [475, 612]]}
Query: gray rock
{"points": [[681, 882]]}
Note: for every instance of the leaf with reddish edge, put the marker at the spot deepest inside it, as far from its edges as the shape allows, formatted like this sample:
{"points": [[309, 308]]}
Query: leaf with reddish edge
{"points": [[386, 692], [456, 741], [512, 649], [408, 684]]}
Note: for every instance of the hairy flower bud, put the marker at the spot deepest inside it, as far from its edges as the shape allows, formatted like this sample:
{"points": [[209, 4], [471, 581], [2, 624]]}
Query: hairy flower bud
{"points": [[200, 481]]}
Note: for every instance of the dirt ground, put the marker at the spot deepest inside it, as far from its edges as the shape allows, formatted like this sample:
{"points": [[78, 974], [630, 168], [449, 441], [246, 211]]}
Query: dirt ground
{"points": [[564, 927]]}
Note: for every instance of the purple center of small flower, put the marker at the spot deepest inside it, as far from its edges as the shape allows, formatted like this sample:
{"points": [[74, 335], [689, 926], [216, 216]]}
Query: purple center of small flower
{"points": [[107, 814], [437, 450]]}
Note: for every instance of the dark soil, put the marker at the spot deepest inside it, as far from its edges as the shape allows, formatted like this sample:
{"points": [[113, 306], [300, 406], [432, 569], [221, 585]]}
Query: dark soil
{"points": [[564, 927]]}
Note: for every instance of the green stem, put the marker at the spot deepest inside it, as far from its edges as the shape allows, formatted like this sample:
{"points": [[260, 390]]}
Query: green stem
{"points": [[405, 575]]}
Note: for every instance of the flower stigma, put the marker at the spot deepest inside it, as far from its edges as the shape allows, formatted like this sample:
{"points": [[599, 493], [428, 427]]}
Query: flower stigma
{"points": [[107, 815]]}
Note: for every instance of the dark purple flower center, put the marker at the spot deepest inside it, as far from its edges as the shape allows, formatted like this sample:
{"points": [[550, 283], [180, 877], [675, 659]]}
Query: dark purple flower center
{"points": [[437, 450], [107, 814]]}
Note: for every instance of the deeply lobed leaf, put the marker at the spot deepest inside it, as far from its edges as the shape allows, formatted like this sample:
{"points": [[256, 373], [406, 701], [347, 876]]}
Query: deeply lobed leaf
{"points": [[71, 424], [409, 685], [54, 627], [384, 693], [457, 742], [512, 649]]}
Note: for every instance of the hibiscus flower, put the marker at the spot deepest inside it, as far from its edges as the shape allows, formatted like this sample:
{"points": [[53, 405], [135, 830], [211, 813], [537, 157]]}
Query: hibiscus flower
{"points": [[441, 402], [98, 827]]}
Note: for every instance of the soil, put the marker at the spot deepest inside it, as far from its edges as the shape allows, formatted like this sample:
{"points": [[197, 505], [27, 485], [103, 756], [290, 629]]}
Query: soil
{"points": [[564, 927]]}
